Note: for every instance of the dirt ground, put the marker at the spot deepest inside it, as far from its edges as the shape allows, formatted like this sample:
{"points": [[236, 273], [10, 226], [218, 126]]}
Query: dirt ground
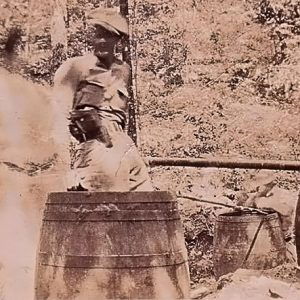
{"points": [[280, 282]]}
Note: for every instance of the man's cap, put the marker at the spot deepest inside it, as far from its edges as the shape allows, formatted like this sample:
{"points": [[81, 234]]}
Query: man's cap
{"points": [[109, 19]]}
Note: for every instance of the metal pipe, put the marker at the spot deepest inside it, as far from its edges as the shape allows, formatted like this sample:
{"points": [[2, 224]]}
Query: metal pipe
{"points": [[225, 163]]}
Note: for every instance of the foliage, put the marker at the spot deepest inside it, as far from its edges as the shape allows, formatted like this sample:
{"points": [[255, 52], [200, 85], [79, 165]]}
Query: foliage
{"points": [[161, 48], [199, 227], [279, 81], [216, 77]]}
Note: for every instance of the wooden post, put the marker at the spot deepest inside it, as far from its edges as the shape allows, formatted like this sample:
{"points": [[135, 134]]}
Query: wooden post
{"points": [[132, 126]]}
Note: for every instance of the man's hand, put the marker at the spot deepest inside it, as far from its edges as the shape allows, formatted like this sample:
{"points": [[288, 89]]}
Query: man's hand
{"points": [[262, 191]]}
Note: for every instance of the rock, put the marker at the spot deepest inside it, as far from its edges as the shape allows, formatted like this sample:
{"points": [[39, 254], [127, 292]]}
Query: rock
{"points": [[200, 292], [252, 285]]}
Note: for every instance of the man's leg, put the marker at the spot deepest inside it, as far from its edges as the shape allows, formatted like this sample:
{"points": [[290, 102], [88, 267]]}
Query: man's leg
{"points": [[139, 179], [98, 168]]}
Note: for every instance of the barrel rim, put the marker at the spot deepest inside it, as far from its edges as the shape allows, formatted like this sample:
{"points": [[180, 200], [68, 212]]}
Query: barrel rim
{"points": [[228, 217], [111, 197]]}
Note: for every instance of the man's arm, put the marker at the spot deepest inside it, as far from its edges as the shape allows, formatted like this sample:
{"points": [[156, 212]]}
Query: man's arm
{"points": [[65, 83], [66, 80], [122, 72], [121, 75]]}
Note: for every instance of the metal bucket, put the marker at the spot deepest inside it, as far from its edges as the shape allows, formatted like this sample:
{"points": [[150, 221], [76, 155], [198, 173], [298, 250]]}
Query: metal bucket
{"points": [[111, 245], [249, 241]]}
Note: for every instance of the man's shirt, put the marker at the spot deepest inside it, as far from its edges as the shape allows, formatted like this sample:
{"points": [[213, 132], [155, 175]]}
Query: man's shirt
{"points": [[83, 81]]}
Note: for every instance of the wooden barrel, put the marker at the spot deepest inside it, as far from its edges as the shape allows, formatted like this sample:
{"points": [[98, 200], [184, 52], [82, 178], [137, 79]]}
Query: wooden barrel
{"points": [[111, 245], [297, 231], [249, 241]]}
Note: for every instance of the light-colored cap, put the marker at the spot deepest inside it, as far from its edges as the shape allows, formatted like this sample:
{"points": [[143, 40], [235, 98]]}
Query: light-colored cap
{"points": [[109, 19]]}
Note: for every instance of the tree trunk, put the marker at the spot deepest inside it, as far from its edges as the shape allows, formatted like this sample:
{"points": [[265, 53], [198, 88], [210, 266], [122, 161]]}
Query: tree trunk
{"points": [[28, 25], [58, 26]]}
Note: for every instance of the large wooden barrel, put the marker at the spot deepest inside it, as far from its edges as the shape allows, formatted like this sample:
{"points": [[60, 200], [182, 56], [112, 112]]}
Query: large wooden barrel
{"points": [[250, 241], [111, 245]]}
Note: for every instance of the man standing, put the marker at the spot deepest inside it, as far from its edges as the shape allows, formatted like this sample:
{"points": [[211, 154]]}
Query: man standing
{"points": [[106, 159]]}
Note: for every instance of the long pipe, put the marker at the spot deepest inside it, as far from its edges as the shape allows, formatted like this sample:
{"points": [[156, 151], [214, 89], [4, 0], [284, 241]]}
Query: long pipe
{"points": [[225, 163]]}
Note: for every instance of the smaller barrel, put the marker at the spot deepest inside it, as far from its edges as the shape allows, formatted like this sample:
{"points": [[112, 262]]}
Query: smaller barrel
{"points": [[249, 241]]}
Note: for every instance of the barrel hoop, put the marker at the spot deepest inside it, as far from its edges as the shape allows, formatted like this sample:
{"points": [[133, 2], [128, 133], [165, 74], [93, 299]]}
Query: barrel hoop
{"points": [[112, 206], [256, 221], [113, 261], [229, 251], [235, 227], [111, 216]]}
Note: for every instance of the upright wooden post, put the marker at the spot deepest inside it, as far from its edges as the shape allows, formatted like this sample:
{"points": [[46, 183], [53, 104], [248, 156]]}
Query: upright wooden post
{"points": [[132, 126]]}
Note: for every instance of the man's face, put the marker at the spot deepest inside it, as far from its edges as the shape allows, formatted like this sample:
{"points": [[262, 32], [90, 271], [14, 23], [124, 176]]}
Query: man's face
{"points": [[104, 43]]}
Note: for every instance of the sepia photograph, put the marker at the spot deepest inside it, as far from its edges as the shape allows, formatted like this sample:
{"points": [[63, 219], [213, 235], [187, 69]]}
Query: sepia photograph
{"points": [[149, 149]]}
